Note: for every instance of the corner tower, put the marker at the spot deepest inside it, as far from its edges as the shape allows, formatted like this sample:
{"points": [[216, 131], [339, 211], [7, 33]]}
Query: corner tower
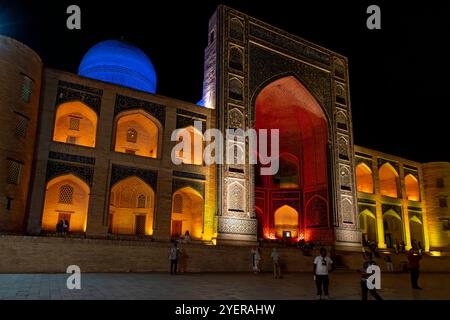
{"points": [[20, 81], [258, 76]]}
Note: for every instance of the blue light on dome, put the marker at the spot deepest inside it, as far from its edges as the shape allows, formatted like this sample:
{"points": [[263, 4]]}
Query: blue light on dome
{"points": [[120, 63]]}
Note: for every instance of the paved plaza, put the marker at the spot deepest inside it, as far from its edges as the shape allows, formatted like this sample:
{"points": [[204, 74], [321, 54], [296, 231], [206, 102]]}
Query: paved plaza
{"points": [[344, 286]]}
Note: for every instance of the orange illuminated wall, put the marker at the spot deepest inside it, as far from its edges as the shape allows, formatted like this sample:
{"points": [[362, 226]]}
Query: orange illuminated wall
{"points": [[131, 207], [187, 213], [192, 142], [388, 181], [364, 178], [138, 133], [67, 197], [75, 123], [412, 188]]}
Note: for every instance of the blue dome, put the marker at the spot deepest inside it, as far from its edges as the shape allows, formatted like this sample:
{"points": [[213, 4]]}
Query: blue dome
{"points": [[120, 63]]}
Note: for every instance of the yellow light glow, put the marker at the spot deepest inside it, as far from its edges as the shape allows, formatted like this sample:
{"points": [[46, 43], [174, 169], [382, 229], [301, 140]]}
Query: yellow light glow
{"points": [[75, 123], [187, 209], [286, 219], [137, 133], [59, 204], [364, 178], [412, 188], [388, 181]]}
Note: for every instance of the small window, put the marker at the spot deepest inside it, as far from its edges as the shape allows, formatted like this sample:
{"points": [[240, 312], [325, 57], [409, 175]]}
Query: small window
{"points": [[14, 172], [26, 89], [131, 135], [235, 89], [177, 204], [141, 201], [440, 182], [21, 126], [443, 202], [66, 194], [71, 140], [74, 123], [9, 201], [446, 224]]}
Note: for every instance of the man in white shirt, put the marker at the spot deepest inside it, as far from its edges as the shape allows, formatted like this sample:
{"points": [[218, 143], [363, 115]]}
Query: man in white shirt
{"points": [[322, 265]]}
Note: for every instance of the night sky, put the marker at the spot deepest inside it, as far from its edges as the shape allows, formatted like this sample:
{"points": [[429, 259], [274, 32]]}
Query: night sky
{"points": [[399, 83]]}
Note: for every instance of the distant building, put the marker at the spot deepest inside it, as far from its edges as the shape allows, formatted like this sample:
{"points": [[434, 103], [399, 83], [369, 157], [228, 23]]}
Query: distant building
{"points": [[94, 148]]}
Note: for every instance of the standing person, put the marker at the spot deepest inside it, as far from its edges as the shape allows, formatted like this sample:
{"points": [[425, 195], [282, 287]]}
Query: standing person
{"points": [[66, 226], [419, 244], [59, 227], [276, 264], [256, 254], [403, 245], [174, 254], [367, 256], [187, 237], [397, 247], [389, 264], [413, 265], [322, 265]]}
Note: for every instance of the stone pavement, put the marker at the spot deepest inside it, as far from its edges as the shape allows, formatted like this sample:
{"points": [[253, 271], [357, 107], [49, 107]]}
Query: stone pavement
{"points": [[230, 286]]}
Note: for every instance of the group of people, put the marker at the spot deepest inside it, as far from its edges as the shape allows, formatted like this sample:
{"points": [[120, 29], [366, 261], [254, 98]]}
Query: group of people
{"points": [[62, 227], [322, 266]]}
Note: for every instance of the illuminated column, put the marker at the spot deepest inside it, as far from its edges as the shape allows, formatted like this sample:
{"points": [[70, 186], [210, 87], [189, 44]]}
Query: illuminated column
{"points": [[379, 210], [405, 212], [426, 233]]}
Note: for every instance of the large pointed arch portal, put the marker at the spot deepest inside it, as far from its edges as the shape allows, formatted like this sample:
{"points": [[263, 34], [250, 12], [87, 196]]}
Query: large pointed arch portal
{"points": [[302, 179]]}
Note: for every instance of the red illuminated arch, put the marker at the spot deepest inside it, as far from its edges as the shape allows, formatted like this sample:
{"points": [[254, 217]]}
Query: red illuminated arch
{"points": [[285, 104]]}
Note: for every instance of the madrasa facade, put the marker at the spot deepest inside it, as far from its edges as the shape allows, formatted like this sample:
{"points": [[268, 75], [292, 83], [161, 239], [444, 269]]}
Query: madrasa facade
{"points": [[95, 149]]}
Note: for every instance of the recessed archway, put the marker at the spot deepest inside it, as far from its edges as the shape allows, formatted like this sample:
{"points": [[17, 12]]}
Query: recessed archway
{"points": [[416, 231], [412, 188], [66, 197], [187, 213], [285, 104], [138, 133], [388, 180], [364, 178], [368, 226], [286, 220], [75, 123], [131, 207], [393, 228], [192, 142]]}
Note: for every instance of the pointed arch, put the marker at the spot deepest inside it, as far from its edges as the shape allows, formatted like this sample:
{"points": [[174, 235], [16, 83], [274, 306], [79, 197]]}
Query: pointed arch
{"points": [[192, 140], [132, 211], [187, 213], [66, 197], [412, 188], [286, 219], [388, 180], [137, 132], [364, 178], [75, 123]]}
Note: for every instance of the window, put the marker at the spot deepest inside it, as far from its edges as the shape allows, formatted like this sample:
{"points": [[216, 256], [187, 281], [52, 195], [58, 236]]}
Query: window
{"points": [[177, 204], [141, 201], [440, 182], [21, 126], [26, 89], [9, 201], [66, 194], [443, 202], [445, 224], [235, 89], [71, 139], [74, 123], [131, 135], [14, 171], [211, 37]]}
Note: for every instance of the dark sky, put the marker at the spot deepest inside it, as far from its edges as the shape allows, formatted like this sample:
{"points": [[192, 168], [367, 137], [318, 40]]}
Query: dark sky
{"points": [[398, 75]]}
